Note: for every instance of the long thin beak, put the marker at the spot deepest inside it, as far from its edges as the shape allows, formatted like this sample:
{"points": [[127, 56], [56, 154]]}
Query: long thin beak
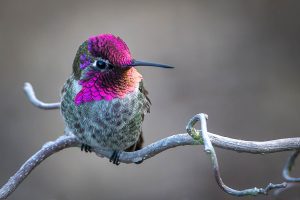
{"points": [[143, 63]]}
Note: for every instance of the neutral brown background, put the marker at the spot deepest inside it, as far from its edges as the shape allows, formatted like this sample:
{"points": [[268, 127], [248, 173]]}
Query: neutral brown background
{"points": [[237, 61]]}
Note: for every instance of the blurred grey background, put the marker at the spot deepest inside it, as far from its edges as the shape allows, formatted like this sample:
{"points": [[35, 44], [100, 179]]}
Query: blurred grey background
{"points": [[237, 61]]}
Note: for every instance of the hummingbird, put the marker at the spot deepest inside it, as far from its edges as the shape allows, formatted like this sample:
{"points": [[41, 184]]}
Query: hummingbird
{"points": [[104, 101]]}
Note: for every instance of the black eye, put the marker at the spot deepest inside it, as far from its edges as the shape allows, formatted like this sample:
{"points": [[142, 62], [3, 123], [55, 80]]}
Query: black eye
{"points": [[110, 66], [100, 64]]}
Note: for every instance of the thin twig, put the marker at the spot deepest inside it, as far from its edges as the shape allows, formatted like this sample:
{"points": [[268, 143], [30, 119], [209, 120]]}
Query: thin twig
{"points": [[69, 140], [32, 98], [209, 149], [288, 167]]}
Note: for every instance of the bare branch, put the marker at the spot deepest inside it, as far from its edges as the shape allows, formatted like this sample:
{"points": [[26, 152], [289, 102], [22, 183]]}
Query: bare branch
{"points": [[288, 167], [206, 138], [32, 98], [209, 149], [217, 140], [292, 182], [67, 141], [270, 146], [47, 150]]}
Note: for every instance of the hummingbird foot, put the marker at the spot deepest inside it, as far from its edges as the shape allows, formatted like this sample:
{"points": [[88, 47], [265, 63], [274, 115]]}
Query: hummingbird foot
{"points": [[115, 157], [86, 148]]}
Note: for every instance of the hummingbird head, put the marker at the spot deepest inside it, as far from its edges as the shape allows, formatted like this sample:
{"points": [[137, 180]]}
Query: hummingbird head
{"points": [[105, 69]]}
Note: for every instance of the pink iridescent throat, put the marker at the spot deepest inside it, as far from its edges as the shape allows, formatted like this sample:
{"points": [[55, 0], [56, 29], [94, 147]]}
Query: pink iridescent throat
{"points": [[108, 86], [112, 84]]}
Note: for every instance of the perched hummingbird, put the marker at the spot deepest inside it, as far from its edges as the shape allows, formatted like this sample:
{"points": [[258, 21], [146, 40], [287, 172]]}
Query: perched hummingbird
{"points": [[104, 100]]}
